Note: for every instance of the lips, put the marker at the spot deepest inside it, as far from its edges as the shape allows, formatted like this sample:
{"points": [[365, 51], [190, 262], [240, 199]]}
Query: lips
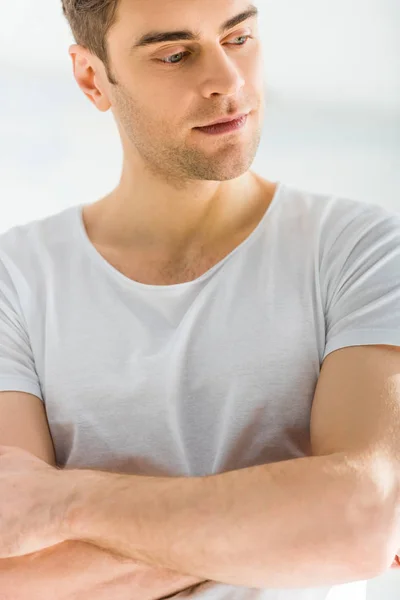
{"points": [[224, 128], [225, 120]]}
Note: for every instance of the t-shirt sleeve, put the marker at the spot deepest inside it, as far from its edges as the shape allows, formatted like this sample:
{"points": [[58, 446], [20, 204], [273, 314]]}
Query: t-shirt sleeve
{"points": [[360, 271], [17, 365]]}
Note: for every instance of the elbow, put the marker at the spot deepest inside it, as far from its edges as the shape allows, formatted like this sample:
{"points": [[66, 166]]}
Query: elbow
{"points": [[388, 538], [383, 524]]}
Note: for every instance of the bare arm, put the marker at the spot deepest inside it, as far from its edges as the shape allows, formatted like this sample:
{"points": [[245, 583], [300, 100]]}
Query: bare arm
{"points": [[73, 570], [76, 570], [239, 527]]}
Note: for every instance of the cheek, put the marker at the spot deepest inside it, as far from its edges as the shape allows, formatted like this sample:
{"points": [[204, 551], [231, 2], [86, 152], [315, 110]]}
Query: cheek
{"points": [[171, 113]]}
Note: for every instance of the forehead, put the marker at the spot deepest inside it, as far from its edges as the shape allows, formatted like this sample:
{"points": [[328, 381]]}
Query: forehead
{"points": [[142, 20]]}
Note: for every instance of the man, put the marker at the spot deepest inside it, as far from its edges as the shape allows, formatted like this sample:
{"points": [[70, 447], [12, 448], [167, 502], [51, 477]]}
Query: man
{"points": [[177, 327]]}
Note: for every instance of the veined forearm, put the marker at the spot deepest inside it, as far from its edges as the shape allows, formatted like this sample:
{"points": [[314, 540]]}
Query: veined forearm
{"points": [[80, 571], [58, 571], [305, 522]]}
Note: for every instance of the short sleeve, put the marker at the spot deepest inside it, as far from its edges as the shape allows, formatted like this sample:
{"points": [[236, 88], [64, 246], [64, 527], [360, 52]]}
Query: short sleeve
{"points": [[17, 366], [360, 274]]}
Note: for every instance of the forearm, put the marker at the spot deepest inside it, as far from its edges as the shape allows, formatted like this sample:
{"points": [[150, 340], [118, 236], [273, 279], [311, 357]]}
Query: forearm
{"points": [[305, 522], [59, 571], [77, 570]]}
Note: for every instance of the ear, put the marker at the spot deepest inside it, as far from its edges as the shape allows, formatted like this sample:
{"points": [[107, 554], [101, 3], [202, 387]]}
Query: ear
{"points": [[86, 69]]}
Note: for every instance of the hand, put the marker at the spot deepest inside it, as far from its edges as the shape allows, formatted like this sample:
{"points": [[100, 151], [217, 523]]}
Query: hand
{"points": [[31, 503]]}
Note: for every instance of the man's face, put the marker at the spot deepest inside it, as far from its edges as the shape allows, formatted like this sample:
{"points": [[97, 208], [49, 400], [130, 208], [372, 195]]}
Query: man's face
{"points": [[166, 89]]}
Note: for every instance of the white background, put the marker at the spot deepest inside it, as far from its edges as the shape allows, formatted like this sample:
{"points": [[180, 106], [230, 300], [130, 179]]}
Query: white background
{"points": [[332, 76]]}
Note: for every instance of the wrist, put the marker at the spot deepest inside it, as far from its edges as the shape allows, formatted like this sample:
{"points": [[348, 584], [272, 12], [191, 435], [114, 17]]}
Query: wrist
{"points": [[83, 496]]}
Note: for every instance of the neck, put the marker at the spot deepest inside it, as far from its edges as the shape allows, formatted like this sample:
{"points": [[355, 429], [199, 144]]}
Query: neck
{"points": [[158, 216]]}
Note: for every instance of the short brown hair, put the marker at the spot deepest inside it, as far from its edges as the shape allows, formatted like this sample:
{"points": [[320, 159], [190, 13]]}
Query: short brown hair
{"points": [[90, 22]]}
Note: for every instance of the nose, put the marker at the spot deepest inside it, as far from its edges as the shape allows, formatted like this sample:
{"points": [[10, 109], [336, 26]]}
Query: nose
{"points": [[222, 75]]}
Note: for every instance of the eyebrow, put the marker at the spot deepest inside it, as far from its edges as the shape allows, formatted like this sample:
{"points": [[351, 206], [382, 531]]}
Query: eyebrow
{"points": [[156, 37]]}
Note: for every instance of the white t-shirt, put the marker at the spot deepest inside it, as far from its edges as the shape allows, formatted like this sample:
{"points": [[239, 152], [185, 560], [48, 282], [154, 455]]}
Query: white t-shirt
{"points": [[201, 377]]}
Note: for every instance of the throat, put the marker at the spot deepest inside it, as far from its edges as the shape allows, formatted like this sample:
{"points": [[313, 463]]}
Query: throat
{"points": [[158, 267], [158, 271]]}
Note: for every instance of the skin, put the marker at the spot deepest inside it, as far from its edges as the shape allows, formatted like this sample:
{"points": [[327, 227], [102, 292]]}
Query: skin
{"points": [[183, 197]]}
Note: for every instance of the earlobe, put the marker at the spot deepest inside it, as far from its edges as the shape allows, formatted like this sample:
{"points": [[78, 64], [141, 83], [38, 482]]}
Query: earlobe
{"points": [[100, 101], [97, 98]]}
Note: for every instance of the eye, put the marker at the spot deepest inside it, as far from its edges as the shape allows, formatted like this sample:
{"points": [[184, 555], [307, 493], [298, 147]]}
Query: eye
{"points": [[182, 54]]}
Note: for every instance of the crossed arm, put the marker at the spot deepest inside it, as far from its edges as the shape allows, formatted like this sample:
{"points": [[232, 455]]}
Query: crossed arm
{"points": [[240, 527], [320, 520], [300, 523], [337, 512]]}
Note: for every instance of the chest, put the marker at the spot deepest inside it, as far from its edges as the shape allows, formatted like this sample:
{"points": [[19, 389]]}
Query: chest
{"points": [[218, 380]]}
